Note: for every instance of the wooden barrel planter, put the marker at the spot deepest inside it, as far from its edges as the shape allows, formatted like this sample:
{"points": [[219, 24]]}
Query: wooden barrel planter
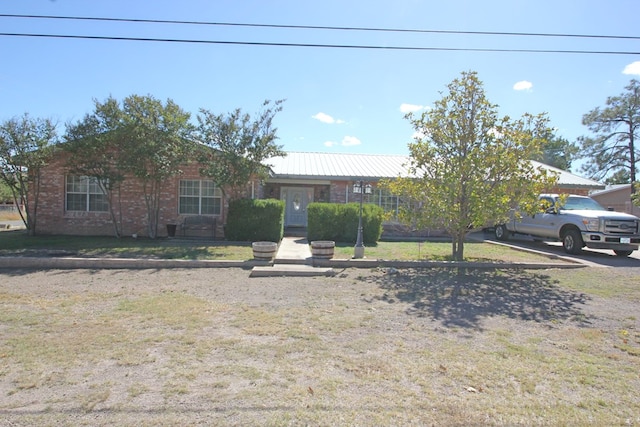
{"points": [[322, 249], [264, 251]]}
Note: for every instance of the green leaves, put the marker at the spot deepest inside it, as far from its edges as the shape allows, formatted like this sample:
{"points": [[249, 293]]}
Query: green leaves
{"points": [[140, 137], [238, 145], [26, 145], [616, 127], [470, 165]]}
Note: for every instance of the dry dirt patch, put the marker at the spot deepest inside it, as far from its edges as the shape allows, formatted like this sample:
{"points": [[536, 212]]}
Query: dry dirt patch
{"points": [[212, 346]]}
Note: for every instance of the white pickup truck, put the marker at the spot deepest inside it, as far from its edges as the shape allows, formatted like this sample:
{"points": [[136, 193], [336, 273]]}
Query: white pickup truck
{"points": [[580, 221]]}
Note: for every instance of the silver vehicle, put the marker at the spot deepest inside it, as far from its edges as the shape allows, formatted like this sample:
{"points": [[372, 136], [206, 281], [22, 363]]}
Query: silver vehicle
{"points": [[578, 222]]}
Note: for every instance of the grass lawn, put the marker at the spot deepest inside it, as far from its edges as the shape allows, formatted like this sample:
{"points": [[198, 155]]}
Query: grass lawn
{"points": [[420, 347], [17, 242], [439, 251]]}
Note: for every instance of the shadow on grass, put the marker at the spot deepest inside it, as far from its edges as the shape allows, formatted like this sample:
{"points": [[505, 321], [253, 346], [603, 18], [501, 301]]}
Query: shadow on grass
{"points": [[463, 297]]}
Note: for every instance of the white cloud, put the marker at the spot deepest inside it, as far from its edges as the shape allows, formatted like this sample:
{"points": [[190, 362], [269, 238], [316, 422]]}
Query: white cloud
{"points": [[325, 118], [633, 68], [411, 108], [349, 141], [523, 85]]}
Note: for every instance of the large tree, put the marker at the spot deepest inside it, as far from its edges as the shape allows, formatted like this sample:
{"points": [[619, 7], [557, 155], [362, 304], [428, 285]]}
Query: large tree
{"points": [[468, 166], [158, 142], [557, 152], [25, 148], [237, 146], [96, 146], [612, 148]]}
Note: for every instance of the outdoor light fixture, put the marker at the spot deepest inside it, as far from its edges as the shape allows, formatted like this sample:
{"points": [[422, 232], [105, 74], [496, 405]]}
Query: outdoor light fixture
{"points": [[359, 187]]}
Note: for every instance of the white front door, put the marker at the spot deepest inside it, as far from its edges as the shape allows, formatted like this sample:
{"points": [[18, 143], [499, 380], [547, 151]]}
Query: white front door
{"points": [[296, 200]]}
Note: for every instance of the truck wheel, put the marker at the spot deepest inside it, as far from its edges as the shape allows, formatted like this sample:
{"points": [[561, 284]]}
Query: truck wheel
{"points": [[623, 253], [502, 233], [572, 242]]}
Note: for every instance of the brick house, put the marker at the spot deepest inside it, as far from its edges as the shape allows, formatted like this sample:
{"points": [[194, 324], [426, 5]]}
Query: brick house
{"points": [[618, 198], [74, 205]]}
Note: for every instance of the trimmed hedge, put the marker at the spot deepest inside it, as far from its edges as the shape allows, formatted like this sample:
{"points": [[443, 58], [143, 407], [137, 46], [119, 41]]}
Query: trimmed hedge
{"points": [[339, 222], [255, 220]]}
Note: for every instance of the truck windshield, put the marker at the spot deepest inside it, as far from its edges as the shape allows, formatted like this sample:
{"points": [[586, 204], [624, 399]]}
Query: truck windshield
{"points": [[582, 203]]}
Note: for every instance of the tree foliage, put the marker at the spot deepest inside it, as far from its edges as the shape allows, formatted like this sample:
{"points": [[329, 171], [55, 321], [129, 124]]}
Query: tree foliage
{"points": [[237, 146], [612, 148], [141, 137], [557, 152], [96, 146], [6, 195], [621, 176], [26, 145], [635, 194], [468, 166], [159, 142]]}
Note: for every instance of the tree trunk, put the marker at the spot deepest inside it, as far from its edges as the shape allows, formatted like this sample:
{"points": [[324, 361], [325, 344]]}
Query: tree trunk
{"points": [[457, 247], [632, 159], [33, 208], [153, 208], [117, 224]]}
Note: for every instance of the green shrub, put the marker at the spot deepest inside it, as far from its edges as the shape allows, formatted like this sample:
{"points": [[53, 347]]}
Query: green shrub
{"points": [[339, 222], [255, 220]]}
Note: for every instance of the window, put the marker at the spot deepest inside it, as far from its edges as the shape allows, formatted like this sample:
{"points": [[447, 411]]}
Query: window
{"points": [[390, 203], [83, 193], [387, 201], [199, 197]]}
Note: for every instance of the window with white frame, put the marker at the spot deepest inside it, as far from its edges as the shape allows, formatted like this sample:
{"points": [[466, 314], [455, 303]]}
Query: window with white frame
{"points": [[390, 203], [387, 201], [83, 193], [199, 197]]}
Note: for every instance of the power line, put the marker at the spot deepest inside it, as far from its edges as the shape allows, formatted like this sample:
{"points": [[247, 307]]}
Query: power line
{"points": [[313, 27], [313, 45]]}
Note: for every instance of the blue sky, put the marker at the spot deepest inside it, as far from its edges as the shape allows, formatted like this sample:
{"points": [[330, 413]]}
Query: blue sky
{"points": [[338, 100]]}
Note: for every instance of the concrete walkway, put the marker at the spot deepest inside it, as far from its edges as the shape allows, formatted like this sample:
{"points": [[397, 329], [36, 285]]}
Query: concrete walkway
{"points": [[294, 250], [292, 259]]}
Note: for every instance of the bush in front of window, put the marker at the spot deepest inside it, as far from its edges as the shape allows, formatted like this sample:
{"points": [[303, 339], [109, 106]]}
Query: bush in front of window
{"points": [[255, 220], [339, 222]]}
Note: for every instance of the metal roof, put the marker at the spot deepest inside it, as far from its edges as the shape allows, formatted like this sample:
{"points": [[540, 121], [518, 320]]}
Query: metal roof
{"points": [[302, 165], [612, 189], [338, 166], [569, 180]]}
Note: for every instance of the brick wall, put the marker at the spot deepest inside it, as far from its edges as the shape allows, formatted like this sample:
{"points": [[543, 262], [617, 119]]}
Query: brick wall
{"points": [[53, 218]]}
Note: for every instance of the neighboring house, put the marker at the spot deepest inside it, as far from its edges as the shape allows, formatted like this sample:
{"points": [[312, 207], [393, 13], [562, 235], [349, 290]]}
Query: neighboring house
{"points": [[71, 204], [617, 198]]}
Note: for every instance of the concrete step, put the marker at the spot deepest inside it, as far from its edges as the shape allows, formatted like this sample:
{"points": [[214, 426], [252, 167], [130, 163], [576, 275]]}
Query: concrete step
{"points": [[290, 270]]}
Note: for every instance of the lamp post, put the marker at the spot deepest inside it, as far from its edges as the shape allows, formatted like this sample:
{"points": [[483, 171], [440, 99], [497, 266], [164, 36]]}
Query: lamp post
{"points": [[359, 187]]}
